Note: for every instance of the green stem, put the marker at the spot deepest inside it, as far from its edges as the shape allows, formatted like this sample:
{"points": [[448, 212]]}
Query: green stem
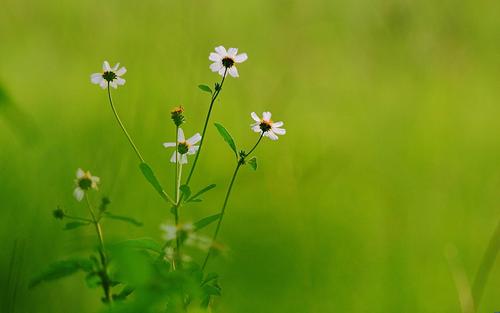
{"points": [[485, 268], [130, 138], [255, 146], [123, 127], [214, 97], [223, 210], [106, 281]]}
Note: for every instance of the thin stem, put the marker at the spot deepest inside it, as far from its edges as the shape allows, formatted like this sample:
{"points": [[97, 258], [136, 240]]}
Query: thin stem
{"points": [[106, 282], [255, 146], [123, 127], [486, 265], [223, 210], [212, 101]]}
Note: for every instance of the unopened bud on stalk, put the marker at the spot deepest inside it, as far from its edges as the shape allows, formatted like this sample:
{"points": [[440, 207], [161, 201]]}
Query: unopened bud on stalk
{"points": [[177, 116], [58, 213]]}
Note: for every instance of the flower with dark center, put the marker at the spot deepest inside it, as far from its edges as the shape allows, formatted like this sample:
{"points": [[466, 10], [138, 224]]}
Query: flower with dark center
{"points": [[184, 146], [109, 76], [84, 182], [224, 61], [266, 126]]}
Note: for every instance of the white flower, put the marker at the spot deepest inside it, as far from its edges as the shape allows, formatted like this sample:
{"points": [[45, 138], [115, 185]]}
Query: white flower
{"points": [[224, 61], [84, 181], [184, 147], [111, 76], [170, 231], [267, 126]]}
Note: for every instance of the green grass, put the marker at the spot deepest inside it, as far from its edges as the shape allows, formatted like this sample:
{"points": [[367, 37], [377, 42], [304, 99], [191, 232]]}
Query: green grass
{"points": [[392, 150]]}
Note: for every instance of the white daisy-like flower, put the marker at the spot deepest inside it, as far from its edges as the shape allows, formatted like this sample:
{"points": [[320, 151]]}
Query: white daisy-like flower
{"points": [[110, 75], [84, 181], [224, 61], [266, 126], [184, 147], [170, 231]]}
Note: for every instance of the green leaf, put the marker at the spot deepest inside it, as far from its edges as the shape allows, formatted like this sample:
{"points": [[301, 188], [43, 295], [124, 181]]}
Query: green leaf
{"points": [[210, 277], [151, 178], [126, 291], [123, 219], [205, 88], [93, 280], [227, 137], [199, 193], [186, 191], [142, 244], [253, 163], [204, 222], [73, 225], [211, 290], [61, 269]]}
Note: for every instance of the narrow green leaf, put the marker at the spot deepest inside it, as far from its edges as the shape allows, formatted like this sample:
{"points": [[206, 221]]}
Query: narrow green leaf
{"points": [[253, 163], [93, 280], [186, 191], [142, 244], [73, 225], [61, 269], [199, 193], [123, 219], [227, 137], [204, 222], [151, 178], [212, 290], [205, 88], [210, 277], [126, 291]]}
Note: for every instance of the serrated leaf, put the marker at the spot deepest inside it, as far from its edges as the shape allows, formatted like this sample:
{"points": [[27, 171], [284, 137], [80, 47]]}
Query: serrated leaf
{"points": [[186, 191], [205, 88], [227, 137], [151, 178], [61, 269], [123, 219], [199, 193], [142, 244], [73, 225], [204, 222], [253, 163]]}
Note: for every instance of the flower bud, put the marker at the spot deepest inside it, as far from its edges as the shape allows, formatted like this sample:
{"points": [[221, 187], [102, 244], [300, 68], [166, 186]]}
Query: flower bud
{"points": [[58, 213], [177, 116]]}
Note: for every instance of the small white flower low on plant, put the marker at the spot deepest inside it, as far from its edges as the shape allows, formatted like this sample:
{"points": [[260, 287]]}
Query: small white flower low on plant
{"points": [[84, 181], [184, 147], [110, 75], [266, 126], [225, 61]]}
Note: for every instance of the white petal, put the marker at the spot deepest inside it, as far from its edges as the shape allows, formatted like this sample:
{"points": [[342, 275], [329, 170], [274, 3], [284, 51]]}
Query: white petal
{"points": [[221, 51], [192, 150], [96, 179], [215, 57], [240, 58], [106, 67], [121, 71], [113, 84], [174, 156], [215, 67], [256, 129], [278, 131], [184, 159], [266, 116], [116, 67], [103, 84], [255, 117], [277, 124], [78, 193], [96, 78], [169, 144], [80, 173], [180, 135], [120, 81], [271, 135], [194, 139], [222, 71], [233, 71], [232, 52]]}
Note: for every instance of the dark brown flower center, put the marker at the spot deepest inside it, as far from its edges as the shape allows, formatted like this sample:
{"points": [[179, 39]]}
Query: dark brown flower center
{"points": [[85, 183], [109, 76], [183, 147], [227, 62], [265, 126]]}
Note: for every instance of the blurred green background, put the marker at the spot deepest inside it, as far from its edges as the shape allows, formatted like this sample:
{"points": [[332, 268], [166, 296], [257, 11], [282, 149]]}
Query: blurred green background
{"points": [[392, 151]]}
